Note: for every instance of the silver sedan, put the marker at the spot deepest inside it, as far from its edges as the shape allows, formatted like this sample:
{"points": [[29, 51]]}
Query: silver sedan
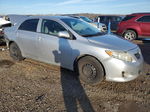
{"points": [[75, 45]]}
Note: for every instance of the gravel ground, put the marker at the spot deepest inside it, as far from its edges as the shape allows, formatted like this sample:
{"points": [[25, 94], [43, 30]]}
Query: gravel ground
{"points": [[31, 86]]}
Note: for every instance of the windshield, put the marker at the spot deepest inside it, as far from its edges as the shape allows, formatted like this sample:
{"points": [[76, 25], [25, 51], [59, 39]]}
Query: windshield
{"points": [[86, 19], [82, 28]]}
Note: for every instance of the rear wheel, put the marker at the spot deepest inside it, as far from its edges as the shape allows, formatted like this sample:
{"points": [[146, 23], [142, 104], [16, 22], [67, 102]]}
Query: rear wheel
{"points": [[15, 52], [130, 35], [90, 70]]}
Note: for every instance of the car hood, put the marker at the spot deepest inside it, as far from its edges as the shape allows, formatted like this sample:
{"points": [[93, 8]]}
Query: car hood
{"points": [[113, 42]]}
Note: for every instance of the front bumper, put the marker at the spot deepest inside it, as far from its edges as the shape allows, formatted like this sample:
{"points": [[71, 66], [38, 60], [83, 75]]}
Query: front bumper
{"points": [[121, 71]]}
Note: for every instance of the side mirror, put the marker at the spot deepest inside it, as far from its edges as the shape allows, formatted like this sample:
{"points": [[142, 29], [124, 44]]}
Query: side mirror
{"points": [[64, 34]]}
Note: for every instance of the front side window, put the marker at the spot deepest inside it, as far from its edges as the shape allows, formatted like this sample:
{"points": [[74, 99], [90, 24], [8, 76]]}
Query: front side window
{"points": [[29, 25], [82, 28], [51, 27], [144, 19]]}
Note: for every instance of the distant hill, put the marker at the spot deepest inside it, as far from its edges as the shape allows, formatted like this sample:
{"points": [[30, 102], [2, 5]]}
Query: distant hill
{"points": [[90, 15]]}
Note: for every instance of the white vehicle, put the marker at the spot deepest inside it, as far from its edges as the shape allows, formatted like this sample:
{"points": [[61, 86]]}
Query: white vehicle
{"points": [[75, 45]]}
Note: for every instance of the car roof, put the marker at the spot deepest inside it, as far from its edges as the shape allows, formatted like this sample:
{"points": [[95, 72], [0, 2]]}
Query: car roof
{"points": [[50, 17], [41, 17], [139, 14]]}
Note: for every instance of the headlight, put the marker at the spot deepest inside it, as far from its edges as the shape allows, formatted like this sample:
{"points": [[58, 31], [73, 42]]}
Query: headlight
{"points": [[120, 55]]}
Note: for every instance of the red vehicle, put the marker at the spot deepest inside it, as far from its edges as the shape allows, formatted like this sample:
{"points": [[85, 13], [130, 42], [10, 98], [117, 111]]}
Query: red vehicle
{"points": [[134, 26]]}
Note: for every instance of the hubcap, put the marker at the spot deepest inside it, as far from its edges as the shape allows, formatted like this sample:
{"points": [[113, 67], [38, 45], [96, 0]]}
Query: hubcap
{"points": [[129, 36], [89, 71]]}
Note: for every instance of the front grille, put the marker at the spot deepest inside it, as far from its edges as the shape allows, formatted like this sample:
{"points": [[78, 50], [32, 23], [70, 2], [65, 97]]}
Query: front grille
{"points": [[137, 55]]}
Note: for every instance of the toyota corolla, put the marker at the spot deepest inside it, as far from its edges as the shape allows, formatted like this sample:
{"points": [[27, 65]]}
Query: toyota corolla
{"points": [[75, 45]]}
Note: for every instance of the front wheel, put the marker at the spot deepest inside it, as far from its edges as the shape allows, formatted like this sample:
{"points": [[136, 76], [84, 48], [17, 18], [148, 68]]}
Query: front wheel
{"points": [[130, 35], [90, 70]]}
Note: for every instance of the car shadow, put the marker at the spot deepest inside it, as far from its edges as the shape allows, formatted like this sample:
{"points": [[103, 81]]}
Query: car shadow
{"points": [[73, 92]]}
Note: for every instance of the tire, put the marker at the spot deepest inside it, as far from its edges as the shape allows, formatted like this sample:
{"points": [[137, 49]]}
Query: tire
{"points": [[130, 35], [15, 52], [90, 70]]}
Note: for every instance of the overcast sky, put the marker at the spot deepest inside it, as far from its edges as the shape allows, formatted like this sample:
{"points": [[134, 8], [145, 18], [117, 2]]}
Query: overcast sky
{"points": [[73, 6]]}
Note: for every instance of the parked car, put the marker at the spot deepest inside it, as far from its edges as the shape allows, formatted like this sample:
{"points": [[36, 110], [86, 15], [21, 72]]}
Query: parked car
{"points": [[113, 19], [3, 23], [75, 45], [102, 27], [134, 26]]}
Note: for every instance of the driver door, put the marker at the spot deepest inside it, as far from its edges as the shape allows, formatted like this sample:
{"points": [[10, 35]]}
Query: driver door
{"points": [[54, 49]]}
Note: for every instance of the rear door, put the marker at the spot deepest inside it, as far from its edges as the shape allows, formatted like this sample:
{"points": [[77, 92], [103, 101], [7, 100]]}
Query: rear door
{"points": [[27, 38], [144, 23]]}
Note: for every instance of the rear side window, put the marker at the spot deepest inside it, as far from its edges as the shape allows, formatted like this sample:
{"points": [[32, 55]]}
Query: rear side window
{"points": [[29, 25], [128, 18], [144, 19]]}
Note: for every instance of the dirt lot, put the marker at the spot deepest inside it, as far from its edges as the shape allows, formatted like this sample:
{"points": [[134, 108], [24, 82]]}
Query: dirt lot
{"points": [[31, 86]]}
